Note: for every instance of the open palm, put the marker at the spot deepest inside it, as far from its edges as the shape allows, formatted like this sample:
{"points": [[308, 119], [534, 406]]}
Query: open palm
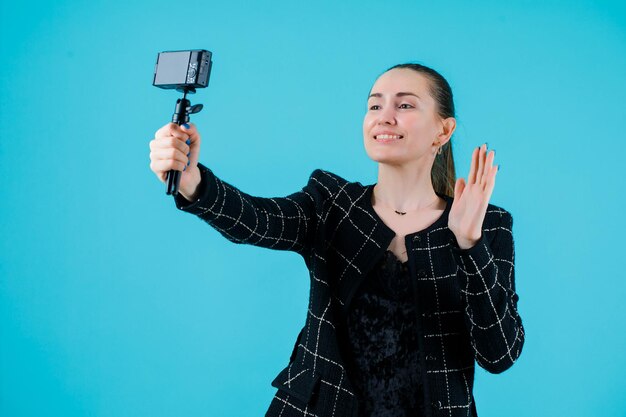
{"points": [[472, 198]]}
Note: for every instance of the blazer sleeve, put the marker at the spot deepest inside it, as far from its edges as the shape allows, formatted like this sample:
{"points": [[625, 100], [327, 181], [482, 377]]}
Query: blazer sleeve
{"points": [[487, 274], [281, 223]]}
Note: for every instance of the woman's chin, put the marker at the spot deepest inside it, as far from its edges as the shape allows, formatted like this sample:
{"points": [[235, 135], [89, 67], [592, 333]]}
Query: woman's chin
{"points": [[386, 158]]}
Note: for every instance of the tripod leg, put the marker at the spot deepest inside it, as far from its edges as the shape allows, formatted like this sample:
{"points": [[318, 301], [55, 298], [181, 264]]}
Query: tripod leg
{"points": [[173, 182]]}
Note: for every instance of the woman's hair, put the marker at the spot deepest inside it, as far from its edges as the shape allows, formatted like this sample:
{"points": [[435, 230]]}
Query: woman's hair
{"points": [[443, 174]]}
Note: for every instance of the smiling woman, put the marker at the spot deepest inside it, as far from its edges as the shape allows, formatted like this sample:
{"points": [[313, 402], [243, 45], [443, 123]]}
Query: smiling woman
{"points": [[410, 285], [408, 123]]}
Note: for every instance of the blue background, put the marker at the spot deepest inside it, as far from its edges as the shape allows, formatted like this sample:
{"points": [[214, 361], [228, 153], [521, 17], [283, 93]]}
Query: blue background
{"points": [[114, 303]]}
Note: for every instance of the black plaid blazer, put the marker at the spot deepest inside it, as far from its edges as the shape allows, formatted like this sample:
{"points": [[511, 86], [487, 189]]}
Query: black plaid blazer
{"points": [[467, 304]]}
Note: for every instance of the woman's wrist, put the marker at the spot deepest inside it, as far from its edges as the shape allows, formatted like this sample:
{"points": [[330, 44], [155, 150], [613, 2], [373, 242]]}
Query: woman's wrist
{"points": [[191, 190], [467, 243]]}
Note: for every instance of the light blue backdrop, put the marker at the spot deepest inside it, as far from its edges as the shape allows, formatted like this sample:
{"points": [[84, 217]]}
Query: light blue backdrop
{"points": [[114, 303]]}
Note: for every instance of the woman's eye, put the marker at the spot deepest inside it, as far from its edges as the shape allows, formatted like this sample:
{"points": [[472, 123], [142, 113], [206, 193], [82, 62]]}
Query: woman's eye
{"points": [[403, 104]]}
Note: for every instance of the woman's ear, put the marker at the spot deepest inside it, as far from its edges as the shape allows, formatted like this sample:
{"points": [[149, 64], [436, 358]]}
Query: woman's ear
{"points": [[448, 127]]}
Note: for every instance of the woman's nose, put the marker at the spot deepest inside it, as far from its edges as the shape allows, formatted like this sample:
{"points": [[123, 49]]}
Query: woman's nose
{"points": [[387, 115]]}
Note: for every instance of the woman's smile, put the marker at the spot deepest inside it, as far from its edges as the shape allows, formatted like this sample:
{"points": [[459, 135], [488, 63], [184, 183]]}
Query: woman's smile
{"points": [[387, 138]]}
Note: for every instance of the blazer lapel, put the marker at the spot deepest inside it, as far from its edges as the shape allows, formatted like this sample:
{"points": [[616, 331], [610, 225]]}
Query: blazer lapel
{"points": [[358, 239]]}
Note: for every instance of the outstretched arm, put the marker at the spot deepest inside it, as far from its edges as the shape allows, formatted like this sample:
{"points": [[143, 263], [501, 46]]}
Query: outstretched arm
{"points": [[281, 223]]}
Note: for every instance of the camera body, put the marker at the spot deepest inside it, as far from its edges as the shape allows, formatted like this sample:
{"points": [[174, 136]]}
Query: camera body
{"points": [[182, 70]]}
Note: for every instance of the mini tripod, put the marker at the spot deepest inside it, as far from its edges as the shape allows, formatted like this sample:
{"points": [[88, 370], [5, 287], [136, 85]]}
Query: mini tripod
{"points": [[180, 117]]}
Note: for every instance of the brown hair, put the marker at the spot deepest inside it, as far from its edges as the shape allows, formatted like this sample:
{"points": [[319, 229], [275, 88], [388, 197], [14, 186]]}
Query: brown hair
{"points": [[443, 174]]}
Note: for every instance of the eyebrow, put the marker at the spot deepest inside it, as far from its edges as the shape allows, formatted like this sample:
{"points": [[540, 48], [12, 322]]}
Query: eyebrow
{"points": [[400, 94]]}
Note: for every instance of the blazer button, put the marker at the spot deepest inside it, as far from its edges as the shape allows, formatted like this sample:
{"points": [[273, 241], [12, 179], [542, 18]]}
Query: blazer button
{"points": [[416, 238], [436, 404]]}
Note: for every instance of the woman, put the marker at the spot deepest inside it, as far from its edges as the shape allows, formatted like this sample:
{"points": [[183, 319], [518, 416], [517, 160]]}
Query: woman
{"points": [[409, 286]]}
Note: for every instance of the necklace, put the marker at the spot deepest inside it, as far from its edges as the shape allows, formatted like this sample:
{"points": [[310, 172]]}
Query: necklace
{"points": [[402, 213]]}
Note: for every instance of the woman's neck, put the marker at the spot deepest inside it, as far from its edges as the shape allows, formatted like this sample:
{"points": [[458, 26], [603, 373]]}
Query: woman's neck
{"points": [[405, 188]]}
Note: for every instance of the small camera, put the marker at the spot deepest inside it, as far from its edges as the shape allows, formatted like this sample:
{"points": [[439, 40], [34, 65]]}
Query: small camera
{"points": [[182, 70]]}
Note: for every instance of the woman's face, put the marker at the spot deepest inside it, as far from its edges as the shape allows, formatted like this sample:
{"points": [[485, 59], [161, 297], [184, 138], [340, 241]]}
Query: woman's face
{"points": [[400, 104]]}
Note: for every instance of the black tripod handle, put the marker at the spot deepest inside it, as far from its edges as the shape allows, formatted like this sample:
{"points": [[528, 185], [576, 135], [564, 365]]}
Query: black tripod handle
{"points": [[180, 117], [173, 182]]}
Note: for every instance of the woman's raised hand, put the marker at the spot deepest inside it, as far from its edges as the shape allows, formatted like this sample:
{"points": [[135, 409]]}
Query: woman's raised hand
{"points": [[177, 148], [471, 199]]}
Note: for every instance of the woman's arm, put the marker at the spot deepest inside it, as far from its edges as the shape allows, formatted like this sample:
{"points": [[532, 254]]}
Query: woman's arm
{"points": [[281, 223], [487, 274]]}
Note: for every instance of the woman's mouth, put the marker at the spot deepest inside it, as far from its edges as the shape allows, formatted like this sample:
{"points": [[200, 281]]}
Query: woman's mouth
{"points": [[387, 138]]}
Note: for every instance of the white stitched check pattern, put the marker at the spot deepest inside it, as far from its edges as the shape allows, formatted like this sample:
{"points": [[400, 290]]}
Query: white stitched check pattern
{"points": [[467, 298]]}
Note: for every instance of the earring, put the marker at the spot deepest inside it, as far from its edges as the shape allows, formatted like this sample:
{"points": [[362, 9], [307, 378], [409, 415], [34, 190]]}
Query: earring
{"points": [[439, 151]]}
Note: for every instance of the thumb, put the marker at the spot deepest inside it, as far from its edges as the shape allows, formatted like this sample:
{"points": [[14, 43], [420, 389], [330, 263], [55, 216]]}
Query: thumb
{"points": [[193, 133], [193, 142]]}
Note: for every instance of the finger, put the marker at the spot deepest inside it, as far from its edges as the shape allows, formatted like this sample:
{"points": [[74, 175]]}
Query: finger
{"points": [[171, 129], [165, 131], [189, 128], [488, 166], [489, 186], [161, 175], [168, 143], [193, 133], [168, 154], [177, 132], [166, 165], [194, 142], [481, 164], [471, 178]]}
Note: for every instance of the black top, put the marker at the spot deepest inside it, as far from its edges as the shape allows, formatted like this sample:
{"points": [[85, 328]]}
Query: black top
{"points": [[382, 341]]}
